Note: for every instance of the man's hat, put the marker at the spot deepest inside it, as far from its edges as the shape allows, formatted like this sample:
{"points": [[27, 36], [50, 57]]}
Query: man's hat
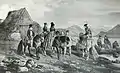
{"points": [[57, 32], [45, 23], [30, 25], [100, 36], [52, 24], [85, 24], [67, 30]]}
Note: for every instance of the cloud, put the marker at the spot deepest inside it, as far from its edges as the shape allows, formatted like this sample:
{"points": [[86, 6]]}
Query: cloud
{"points": [[67, 12], [36, 9], [4, 9]]}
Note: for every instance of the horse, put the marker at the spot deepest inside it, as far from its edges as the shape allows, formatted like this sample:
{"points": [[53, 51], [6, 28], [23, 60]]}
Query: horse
{"points": [[61, 44], [23, 45], [83, 44], [65, 43], [49, 37], [38, 44]]}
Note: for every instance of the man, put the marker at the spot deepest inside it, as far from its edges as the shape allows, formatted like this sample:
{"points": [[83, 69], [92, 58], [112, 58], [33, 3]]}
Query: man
{"points": [[52, 28], [116, 45], [67, 43], [99, 42], [107, 42], [52, 32], [56, 43], [45, 30], [88, 35], [30, 35]]}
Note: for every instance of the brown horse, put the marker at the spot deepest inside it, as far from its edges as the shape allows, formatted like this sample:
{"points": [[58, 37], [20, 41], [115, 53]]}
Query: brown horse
{"points": [[23, 45]]}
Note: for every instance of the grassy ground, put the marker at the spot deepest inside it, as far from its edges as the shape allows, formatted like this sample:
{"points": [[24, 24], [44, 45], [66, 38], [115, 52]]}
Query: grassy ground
{"points": [[67, 64]]}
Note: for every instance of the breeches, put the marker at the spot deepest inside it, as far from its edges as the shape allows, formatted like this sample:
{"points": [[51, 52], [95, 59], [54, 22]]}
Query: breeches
{"points": [[30, 42]]}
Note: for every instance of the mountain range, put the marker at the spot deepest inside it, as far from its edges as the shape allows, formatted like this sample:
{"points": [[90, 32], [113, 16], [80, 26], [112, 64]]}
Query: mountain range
{"points": [[113, 33]]}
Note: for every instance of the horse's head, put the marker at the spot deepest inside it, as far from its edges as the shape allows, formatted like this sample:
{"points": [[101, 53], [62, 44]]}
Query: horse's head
{"points": [[41, 37]]}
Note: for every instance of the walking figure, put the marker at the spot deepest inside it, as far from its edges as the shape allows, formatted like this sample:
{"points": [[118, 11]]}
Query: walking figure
{"points": [[52, 32], [88, 35], [56, 44], [30, 35], [107, 42], [68, 43], [99, 41]]}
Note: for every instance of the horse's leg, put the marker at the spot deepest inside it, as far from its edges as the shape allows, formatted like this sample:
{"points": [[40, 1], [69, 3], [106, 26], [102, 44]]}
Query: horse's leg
{"points": [[87, 55], [29, 49], [25, 46], [44, 51], [89, 44], [88, 51], [83, 53], [58, 53], [69, 50], [37, 53], [65, 48], [53, 49]]}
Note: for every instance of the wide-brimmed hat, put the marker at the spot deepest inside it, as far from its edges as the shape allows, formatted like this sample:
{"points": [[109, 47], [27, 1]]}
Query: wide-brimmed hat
{"points": [[85, 24], [67, 30], [45, 23]]}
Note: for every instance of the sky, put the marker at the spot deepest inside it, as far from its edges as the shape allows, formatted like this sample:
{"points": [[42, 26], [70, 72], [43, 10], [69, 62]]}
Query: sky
{"points": [[64, 13]]}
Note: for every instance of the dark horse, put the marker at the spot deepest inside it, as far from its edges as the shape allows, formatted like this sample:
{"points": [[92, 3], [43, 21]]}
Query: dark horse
{"points": [[23, 45], [61, 43]]}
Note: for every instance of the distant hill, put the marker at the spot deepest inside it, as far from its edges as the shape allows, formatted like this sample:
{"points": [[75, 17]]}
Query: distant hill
{"points": [[100, 30], [113, 33], [102, 33], [75, 30]]}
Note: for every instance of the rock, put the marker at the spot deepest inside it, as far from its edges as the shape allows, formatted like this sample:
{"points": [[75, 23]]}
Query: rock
{"points": [[1, 64], [78, 67], [72, 65], [23, 69], [7, 72], [22, 63], [65, 62], [30, 63]]}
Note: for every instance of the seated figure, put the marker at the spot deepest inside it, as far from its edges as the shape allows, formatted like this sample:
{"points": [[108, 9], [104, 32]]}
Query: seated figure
{"points": [[115, 45]]}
